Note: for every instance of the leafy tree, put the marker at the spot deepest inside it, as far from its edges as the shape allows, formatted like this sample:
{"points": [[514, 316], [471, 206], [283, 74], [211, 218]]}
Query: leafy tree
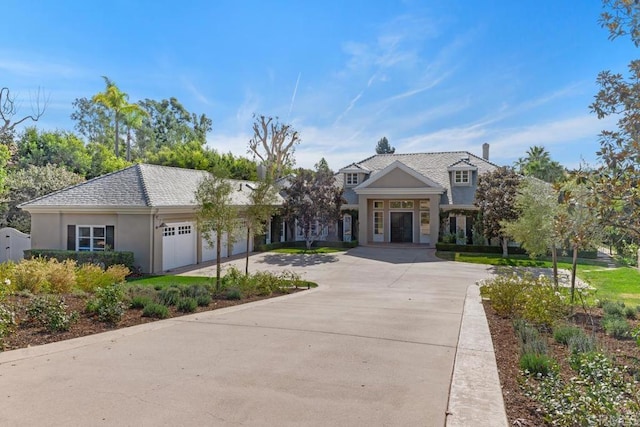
{"points": [[617, 182], [383, 146], [495, 196], [189, 155], [273, 143], [9, 110], [92, 121], [4, 158], [535, 228], [538, 163], [103, 160], [118, 102], [314, 201], [216, 213], [57, 148], [261, 207], [27, 184]]}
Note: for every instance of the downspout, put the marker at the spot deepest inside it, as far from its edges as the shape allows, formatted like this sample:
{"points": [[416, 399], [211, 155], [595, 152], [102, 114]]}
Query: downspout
{"points": [[152, 258]]}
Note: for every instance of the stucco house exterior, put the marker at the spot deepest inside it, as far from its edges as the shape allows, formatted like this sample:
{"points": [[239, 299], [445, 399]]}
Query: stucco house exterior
{"points": [[401, 198], [149, 210]]}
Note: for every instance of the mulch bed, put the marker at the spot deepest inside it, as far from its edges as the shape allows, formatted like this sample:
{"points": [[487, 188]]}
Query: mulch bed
{"points": [[521, 410], [28, 334]]}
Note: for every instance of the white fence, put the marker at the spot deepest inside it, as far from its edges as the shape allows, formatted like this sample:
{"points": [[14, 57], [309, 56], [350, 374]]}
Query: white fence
{"points": [[13, 243]]}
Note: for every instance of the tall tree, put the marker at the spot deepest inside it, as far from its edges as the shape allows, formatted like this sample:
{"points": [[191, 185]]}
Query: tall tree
{"points": [[383, 146], [40, 148], [92, 121], [496, 196], [217, 215], [617, 182], [538, 163], [273, 143], [313, 200], [118, 102], [9, 110], [261, 207]]}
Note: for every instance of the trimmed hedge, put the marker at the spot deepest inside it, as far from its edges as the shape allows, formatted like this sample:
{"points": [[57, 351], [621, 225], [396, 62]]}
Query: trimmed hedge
{"points": [[513, 250], [302, 244], [106, 258]]}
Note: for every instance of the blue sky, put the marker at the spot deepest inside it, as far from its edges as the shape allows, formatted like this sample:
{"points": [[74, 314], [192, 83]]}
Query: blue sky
{"points": [[434, 75]]}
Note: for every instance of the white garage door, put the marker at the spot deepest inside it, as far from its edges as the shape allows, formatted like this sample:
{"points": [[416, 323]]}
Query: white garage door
{"points": [[240, 245], [209, 252], [178, 245]]}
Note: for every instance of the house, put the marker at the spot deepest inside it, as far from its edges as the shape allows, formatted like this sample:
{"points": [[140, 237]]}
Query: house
{"points": [[412, 198], [149, 210]]}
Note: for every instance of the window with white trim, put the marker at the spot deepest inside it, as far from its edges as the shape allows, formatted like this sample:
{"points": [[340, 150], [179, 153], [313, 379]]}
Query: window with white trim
{"points": [[169, 231], [91, 238], [184, 229], [351, 178], [378, 218], [378, 204], [401, 204], [425, 222], [461, 177]]}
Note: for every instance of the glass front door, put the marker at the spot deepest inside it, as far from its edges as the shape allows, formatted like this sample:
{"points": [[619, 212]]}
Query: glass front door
{"points": [[401, 227]]}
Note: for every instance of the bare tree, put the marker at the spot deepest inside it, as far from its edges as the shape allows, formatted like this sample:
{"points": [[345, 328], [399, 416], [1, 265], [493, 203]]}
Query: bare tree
{"points": [[9, 109], [273, 143]]}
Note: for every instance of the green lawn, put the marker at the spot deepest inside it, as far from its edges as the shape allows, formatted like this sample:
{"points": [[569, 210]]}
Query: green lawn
{"points": [[617, 284], [299, 251]]}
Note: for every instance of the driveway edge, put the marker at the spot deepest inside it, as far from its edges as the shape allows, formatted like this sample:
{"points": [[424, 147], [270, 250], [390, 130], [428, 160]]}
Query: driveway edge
{"points": [[475, 397]]}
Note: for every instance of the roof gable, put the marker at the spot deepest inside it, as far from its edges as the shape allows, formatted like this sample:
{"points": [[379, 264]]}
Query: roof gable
{"points": [[401, 173]]}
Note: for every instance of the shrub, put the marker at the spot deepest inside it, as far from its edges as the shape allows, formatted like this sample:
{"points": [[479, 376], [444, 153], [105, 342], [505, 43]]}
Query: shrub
{"points": [[61, 276], [31, 275], [581, 343], [90, 277], [169, 296], [109, 303], [562, 334], [187, 304], [544, 305], [233, 293], [525, 332], [613, 308], [105, 258], [51, 313], [616, 326], [7, 323], [7, 279], [636, 335], [203, 300], [140, 301], [117, 273], [506, 293], [536, 364], [194, 291], [630, 313], [155, 310]]}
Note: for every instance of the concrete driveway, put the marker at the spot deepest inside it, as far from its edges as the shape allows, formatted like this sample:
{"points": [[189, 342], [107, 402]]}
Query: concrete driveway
{"points": [[374, 345]]}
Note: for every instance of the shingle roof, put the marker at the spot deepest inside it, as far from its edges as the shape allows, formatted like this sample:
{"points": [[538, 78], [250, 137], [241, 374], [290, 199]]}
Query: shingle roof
{"points": [[141, 185]]}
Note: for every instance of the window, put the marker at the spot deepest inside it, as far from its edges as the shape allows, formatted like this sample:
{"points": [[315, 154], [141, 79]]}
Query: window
{"points": [[169, 231], [425, 219], [401, 204], [424, 204], [91, 238], [378, 228], [351, 178], [378, 204], [461, 177], [184, 229]]}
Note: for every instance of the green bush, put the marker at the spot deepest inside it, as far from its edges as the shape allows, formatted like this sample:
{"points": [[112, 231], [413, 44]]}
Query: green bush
{"points": [[140, 301], [613, 308], [562, 333], [203, 300], [60, 276], [581, 343], [7, 279], [544, 305], [507, 294], [630, 313], [187, 304], [480, 249], [51, 313], [170, 295], [155, 310], [616, 326], [90, 277], [109, 303], [194, 291], [7, 323], [105, 258], [536, 364], [31, 275], [233, 293]]}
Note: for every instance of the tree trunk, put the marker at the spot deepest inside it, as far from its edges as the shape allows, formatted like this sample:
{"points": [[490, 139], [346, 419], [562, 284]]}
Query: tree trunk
{"points": [[128, 144], [117, 145], [573, 272], [554, 258], [218, 253], [505, 247], [246, 264]]}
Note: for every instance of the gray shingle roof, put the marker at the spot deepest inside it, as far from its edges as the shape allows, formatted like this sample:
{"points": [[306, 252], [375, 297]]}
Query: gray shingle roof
{"points": [[141, 185]]}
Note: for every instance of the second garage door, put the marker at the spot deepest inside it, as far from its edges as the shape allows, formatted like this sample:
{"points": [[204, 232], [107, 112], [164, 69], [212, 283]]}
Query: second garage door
{"points": [[178, 245]]}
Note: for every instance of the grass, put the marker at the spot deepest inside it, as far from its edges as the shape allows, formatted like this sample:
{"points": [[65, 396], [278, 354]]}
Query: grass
{"points": [[304, 251], [615, 284], [160, 282]]}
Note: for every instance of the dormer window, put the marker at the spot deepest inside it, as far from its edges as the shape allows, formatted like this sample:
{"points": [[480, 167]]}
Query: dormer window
{"points": [[351, 178], [461, 177]]}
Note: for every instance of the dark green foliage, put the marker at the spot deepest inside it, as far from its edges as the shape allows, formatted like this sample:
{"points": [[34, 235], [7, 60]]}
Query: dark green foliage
{"points": [[195, 291], [109, 303], [106, 258], [563, 333], [616, 326], [51, 312], [187, 304], [155, 310], [613, 308], [203, 300], [233, 293], [169, 296], [140, 301], [630, 313], [536, 364]]}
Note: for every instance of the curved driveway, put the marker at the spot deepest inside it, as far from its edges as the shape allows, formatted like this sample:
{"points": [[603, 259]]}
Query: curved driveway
{"points": [[373, 345]]}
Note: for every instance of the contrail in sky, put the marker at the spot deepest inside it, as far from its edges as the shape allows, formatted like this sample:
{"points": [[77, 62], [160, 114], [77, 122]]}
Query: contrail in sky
{"points": [[293, 98]]}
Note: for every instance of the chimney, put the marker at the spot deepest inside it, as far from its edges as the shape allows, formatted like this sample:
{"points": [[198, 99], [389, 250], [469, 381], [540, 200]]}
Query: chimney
{"points": [[485, 151]]}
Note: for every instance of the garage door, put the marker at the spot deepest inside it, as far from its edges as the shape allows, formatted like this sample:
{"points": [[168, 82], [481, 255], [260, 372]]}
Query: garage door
{"points": [[209, 252], [178, 245]]}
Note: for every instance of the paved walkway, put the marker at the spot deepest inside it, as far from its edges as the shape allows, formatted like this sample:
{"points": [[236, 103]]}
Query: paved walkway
{"points": [[374, 345]]}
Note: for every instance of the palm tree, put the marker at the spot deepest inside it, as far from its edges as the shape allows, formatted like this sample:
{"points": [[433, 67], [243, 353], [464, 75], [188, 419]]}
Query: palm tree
{"points": [[114, 99], [538, 163], [133, 119]]}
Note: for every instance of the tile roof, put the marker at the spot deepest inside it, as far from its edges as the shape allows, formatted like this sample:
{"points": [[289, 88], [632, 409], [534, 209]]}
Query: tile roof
{"points": [[140, 185]]}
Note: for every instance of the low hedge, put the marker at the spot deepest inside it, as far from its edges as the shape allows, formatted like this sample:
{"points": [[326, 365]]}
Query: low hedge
{"points": [[513, 250], [106, 258], [302, 244]]}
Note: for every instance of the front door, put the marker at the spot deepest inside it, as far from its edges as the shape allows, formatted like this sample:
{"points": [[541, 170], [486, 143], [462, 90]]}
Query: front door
{"points": [[401, 227]]}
